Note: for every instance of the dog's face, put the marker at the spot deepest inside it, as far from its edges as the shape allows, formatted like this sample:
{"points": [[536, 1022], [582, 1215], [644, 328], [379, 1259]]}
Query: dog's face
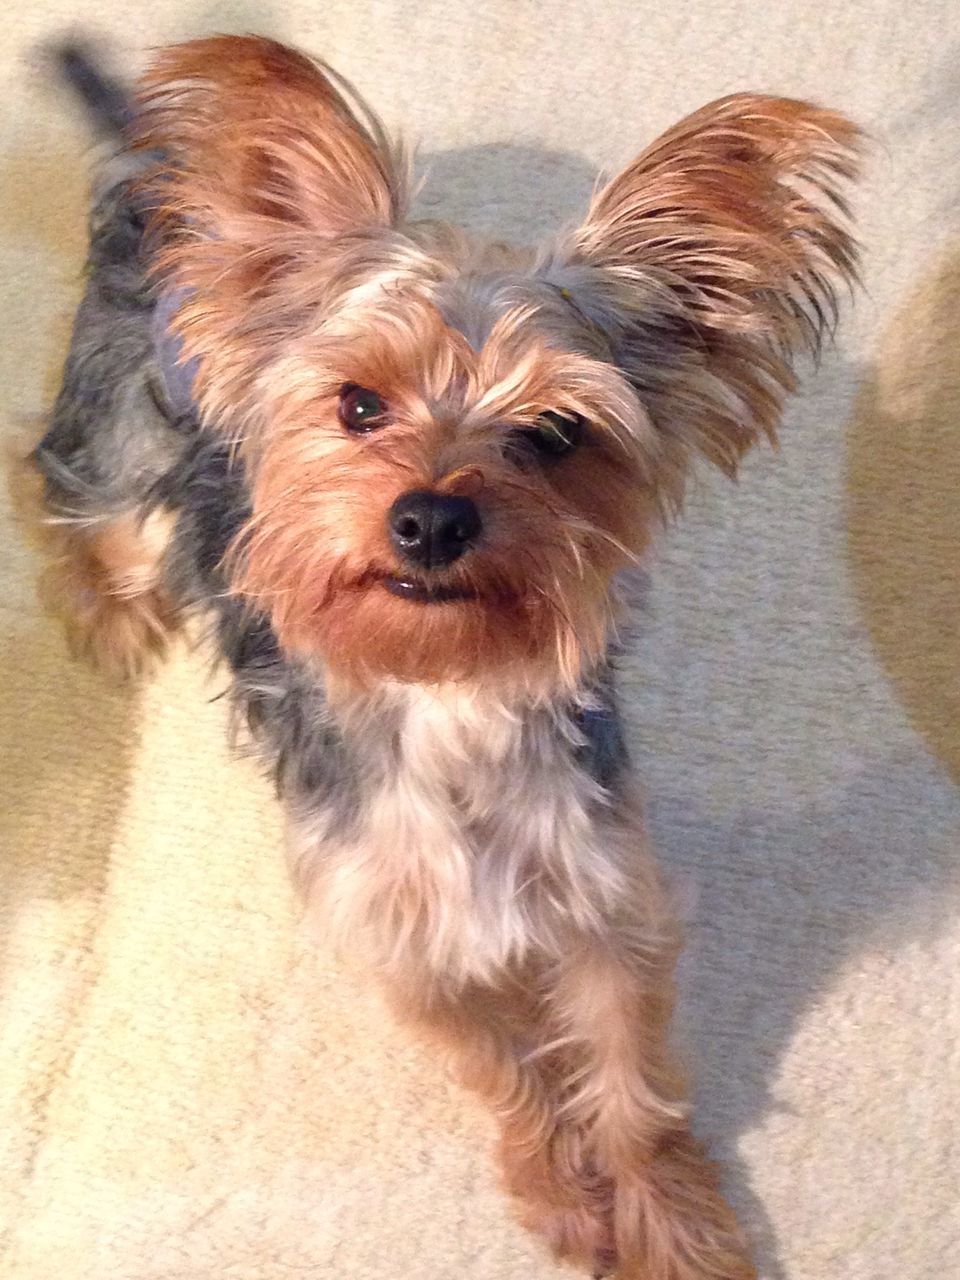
{"points": [[452, 448], [448, 479]]}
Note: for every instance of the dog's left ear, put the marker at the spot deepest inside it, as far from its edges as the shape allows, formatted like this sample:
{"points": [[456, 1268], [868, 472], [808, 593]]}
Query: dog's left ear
{"points": [[712, 261], [265, 158]]}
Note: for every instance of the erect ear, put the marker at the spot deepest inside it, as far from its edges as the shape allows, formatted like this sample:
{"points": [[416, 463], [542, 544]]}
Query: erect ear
{"points": [[264, 155], [713, 260]]}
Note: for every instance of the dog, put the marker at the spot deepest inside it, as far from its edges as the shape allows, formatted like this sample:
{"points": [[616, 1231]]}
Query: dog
{"points": [[400, 474]]}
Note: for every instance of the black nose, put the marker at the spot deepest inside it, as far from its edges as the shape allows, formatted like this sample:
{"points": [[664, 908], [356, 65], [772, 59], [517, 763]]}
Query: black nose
{"points": [[432, 529]]}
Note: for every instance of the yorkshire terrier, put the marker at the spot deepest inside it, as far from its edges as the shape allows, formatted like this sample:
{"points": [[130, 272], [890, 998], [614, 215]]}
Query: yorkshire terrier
{"points": [[401, 474]]}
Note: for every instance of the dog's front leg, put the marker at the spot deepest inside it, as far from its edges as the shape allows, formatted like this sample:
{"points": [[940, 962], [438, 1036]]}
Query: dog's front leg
{"points": [[643, 1173], [499, 1043]]}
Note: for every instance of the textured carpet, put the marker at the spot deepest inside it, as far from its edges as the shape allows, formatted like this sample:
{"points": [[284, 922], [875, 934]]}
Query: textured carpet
{"points": [[190, 1089]]}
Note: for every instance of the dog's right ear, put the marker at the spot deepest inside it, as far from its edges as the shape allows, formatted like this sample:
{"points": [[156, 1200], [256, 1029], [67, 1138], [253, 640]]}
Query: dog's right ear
{"points": [[265, 157]]}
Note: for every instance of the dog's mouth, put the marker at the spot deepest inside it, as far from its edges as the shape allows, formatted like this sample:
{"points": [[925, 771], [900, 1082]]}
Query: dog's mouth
{"points": [[425, 592]]}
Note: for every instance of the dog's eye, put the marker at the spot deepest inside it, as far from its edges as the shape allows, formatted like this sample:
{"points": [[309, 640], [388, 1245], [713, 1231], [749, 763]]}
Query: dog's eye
{"points": [[361, 409], [555, 434]]}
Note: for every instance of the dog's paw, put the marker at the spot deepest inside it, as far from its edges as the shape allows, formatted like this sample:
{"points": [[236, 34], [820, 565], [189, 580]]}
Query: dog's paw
{"points": [[579, 1234]]}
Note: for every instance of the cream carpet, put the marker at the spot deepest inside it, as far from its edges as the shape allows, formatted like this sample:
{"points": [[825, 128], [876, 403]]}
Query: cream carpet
{"points": [[188, 1088]]}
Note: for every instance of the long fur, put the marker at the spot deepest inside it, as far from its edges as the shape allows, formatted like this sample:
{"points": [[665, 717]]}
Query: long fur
{"points": [[460, 806]]}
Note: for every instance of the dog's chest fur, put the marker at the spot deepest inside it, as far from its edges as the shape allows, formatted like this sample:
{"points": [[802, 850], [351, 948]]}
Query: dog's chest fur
{"points": [[477, 833]]}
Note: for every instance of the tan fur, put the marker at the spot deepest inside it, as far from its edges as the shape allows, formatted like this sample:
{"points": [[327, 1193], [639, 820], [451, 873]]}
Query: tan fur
{"points": [[506, 897], [107, 582], [103, 578]]}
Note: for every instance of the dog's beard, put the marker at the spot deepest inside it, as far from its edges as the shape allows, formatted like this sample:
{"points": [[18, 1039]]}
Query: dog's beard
{"points": [[489, 622]]}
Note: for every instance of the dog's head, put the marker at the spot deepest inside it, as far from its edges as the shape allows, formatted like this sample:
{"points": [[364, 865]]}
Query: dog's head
{"points": [[453, 447]]}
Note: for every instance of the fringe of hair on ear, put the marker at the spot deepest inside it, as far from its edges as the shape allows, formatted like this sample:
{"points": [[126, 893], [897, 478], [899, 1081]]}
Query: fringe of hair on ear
{"points": [[714, 262]]}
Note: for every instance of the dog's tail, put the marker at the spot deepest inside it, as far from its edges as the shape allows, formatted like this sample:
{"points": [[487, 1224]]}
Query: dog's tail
{"points": [[108, 102]]}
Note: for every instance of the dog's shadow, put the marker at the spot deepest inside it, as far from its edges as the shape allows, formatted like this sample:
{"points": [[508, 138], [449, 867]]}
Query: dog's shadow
{"points": [[789, 900], [519, 194]]}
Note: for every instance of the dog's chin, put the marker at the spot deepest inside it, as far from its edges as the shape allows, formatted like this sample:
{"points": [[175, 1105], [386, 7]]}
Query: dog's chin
{"points": [[418, 591], [407, 628]]}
